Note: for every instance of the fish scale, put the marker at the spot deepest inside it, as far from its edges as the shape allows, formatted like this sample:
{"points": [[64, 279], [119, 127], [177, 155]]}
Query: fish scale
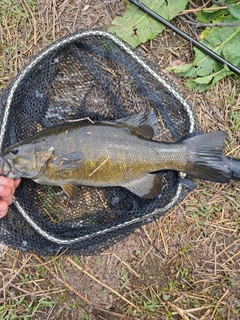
{"points": [[113, 153]]}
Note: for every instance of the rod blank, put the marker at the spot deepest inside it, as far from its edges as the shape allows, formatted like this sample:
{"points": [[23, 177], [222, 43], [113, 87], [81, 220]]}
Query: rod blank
{"points": [[184, 35]]}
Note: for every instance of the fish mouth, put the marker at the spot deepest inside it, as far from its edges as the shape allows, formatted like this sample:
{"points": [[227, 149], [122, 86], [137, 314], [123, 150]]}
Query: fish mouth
{"points": [[5, 168]]}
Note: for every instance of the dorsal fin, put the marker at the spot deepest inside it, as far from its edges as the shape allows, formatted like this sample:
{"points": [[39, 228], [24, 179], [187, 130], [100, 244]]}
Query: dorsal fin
{"points": [[143, 124]]}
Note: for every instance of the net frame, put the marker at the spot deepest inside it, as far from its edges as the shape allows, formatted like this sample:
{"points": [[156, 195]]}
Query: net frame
{"points": [[23, 74]]}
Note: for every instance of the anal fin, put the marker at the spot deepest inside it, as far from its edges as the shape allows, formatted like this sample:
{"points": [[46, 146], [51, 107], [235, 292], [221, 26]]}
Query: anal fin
{"points": [[149, 186], [69, 190]]}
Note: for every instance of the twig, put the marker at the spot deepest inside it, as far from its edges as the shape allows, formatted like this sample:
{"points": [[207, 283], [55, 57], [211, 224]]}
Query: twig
{"points": [[82, 119], [205, 315], [124, 317], [198, 308], [218, 303], [205, 9], [145, 235], [123, 262], [36, 293], [34, 21], [16, 273], [164, 242], [179, 310], [231, 244], [101, 164], [7, 28], [200, 24], [54, 10], [232, 257]]}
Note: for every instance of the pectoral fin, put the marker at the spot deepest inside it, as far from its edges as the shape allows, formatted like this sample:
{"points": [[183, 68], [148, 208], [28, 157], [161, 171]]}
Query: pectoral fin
{"points": [[68, 189], [70, 161], [148, 186]]}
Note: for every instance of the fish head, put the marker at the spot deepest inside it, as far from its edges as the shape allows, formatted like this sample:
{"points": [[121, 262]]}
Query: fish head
{"points": [[26, 160]]}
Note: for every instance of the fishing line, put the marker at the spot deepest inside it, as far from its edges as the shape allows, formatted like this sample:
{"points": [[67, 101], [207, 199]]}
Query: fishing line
{"points": [[184, 35]]}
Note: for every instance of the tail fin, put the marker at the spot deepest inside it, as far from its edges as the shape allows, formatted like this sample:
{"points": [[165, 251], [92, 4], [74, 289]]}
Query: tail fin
{"points": [[205, 159], [234, 166]]}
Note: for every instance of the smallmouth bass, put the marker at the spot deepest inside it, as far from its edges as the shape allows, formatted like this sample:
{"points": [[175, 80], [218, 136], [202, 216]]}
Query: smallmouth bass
{"points": [[113, 153]]}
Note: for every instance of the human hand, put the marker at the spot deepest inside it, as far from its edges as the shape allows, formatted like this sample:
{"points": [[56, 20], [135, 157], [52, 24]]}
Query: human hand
{"points": [[7, 189]]}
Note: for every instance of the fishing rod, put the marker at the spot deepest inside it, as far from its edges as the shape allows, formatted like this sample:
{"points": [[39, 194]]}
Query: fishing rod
{"points": [[184, 35], [232, 163]]}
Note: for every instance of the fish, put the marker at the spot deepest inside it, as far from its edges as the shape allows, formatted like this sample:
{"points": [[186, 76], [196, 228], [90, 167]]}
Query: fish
{"points": [[119, 153]]}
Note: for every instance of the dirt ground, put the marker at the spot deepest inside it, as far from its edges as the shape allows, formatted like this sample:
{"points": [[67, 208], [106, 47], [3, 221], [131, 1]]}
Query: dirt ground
{"points": [[185, 265]]}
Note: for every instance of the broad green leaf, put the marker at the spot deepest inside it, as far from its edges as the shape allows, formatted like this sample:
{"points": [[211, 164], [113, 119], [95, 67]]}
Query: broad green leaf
{"points": [[229, 1], [137, 27], [202, 83], [232, 55], [225, 41], [201, 17], [234, 9], [211, 16], [201, 66]]}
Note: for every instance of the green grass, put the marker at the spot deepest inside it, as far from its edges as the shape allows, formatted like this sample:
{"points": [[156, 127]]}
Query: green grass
{"points": [[23, 308], [16, 20]]}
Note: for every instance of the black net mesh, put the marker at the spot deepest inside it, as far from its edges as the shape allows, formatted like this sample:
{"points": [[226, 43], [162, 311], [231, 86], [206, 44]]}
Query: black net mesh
{"points": [[87, 74]]}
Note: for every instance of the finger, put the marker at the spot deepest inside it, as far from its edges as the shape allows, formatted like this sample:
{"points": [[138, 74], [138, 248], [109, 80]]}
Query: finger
{"points": [[7, 182], [6, 194], [17, 182], [3, 208]]}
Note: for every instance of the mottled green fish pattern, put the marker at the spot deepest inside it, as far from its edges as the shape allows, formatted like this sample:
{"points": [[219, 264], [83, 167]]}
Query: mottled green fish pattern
{"points": [[113, 153]]}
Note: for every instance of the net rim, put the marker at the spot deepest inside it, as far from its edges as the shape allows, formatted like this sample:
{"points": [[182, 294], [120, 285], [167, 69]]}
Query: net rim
{"points": [[60, 43]]}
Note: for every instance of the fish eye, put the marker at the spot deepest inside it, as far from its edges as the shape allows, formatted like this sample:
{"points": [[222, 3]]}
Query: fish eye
{"points": [[14, 151]]}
